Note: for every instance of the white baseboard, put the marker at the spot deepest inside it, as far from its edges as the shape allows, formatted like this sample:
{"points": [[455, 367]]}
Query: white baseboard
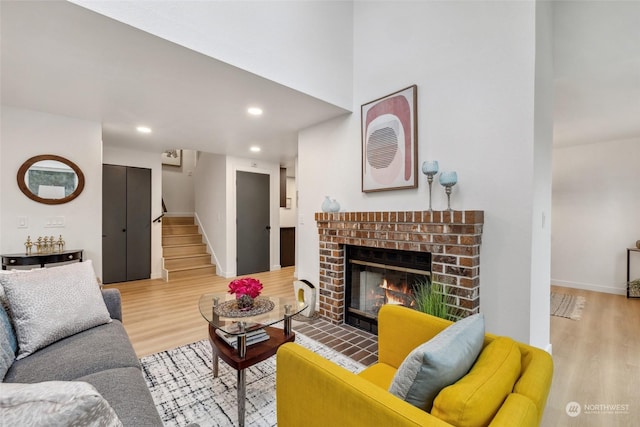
{"points": [[549, 348], [590, 287]]}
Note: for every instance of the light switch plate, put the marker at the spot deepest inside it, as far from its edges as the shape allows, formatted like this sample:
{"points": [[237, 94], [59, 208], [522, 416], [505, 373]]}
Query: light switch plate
{"points": [[23, 222], [54, 222]]}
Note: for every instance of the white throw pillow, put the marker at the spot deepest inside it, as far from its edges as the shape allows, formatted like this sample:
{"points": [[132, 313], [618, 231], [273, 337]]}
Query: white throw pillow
{"points": [[50, 304], [55, 403], [439, 362]]}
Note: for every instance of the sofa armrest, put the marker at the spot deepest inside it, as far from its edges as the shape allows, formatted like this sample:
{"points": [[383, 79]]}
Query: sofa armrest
{"points": [[113, 303], [314, 392], [536, 377]]}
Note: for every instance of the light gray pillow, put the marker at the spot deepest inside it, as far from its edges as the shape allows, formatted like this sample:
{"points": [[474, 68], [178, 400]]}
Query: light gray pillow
{"points": [[50, 304], [55, 403], [439, 362]]}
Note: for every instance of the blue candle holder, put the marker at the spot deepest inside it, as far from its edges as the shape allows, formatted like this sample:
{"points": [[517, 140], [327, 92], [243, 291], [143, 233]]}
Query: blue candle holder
{"points": [[448, 180], [430, 168]]}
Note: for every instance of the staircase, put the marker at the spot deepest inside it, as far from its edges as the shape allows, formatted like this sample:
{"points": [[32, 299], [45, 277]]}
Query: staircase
{"points": [[184, 254]]}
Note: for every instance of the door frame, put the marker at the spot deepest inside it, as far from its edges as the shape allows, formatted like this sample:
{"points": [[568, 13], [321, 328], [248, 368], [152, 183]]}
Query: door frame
{"points": [[274, 214], [148, 160], [253, 199]]}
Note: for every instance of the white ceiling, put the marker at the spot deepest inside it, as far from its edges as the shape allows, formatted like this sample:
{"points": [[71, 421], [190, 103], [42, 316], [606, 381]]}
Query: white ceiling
{"points": [[60, 58]]}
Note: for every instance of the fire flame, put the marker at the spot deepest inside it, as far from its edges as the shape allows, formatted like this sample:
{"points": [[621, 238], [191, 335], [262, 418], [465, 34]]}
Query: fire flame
{"points": [[391, 292]]}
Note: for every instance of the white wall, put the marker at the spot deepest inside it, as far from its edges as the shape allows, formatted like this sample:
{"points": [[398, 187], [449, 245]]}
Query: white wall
{"points": [[27, 133], [141, 159], [289, 217], [178, 187], [474, 64], [302, 45], [596, 205], [540, 328], [1, 183], [210, 187]]}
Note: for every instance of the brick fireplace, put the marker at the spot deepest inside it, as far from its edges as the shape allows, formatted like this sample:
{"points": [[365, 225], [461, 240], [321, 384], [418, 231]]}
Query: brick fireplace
{"points": [[452, 238]]}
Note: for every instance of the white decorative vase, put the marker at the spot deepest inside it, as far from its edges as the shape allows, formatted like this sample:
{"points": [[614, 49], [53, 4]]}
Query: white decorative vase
{"points": [[334, 206], [326, 204]]}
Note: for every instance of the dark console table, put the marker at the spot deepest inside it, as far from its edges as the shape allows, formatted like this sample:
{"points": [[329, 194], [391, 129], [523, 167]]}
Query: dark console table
{"points": [[12, 260]]}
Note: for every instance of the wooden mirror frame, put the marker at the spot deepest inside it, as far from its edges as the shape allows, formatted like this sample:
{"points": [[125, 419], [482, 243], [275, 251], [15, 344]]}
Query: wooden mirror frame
{"points": [[30, 162]]}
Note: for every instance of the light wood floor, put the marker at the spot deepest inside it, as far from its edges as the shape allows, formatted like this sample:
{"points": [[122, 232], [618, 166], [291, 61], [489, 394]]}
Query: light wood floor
{"points": [[597, 358], [596, 362], [161, 315]]}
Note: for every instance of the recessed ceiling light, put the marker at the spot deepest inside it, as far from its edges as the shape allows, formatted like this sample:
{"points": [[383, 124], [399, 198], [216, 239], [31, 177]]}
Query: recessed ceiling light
{"points": [[143, 129], [255, 111], [255, 149]]}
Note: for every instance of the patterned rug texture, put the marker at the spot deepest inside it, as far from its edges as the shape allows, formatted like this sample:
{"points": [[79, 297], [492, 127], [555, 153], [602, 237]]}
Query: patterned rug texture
{"points": [[568, 306], [185, 392]]}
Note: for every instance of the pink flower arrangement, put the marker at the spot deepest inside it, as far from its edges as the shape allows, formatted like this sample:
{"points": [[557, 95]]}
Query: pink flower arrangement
{"points": [[245, 286]]}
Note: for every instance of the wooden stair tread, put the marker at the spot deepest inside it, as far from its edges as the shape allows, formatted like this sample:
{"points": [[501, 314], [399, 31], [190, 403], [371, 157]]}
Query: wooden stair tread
{"points": [[193, 267], [176, 257]]}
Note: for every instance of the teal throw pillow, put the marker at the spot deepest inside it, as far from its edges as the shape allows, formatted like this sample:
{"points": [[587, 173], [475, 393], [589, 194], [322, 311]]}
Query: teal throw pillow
{"points": [[439, 362]]}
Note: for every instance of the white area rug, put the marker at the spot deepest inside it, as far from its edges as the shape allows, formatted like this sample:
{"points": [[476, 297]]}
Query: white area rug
{"points": [[567, 306], [184, 390]]}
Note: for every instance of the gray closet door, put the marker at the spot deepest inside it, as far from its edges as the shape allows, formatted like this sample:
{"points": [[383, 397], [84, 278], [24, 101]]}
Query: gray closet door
{"points": [[126, 223], [252, 222], [114, 224], [138, 223]]}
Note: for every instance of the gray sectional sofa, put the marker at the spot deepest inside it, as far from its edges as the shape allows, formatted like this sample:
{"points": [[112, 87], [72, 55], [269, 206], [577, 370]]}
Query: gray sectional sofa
{"points": [[101, 356]]}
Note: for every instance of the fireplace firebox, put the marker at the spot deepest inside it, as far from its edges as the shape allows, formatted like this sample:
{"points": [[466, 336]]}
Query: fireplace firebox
{"points": [[377, 276]]}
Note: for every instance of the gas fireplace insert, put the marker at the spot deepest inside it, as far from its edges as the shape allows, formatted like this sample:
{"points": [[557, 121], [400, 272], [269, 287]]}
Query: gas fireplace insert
{"points": [[376, 276]]}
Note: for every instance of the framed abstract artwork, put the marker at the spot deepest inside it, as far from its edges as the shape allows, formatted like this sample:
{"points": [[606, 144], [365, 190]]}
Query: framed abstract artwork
{"points": [[172, 158], [390, 142]]}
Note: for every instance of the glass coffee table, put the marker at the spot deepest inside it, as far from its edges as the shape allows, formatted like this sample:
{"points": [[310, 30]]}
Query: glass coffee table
{"points": [[231, 332]]}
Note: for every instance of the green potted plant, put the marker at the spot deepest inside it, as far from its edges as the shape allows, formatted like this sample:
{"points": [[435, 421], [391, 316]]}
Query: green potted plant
{"points": [[431, 298]]}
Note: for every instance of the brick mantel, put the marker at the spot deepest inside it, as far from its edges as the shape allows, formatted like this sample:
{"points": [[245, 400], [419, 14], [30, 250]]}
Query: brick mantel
{"points": [[453, 238]]}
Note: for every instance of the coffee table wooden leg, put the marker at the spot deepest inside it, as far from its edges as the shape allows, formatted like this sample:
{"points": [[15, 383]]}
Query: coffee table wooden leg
{"points": [[241, 396]]}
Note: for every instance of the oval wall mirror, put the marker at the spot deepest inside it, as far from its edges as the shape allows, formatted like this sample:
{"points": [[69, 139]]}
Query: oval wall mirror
{"points": [[50, 179]]}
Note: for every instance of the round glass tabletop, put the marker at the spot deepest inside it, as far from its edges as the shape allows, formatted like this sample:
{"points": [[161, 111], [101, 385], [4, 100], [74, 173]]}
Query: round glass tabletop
{"points": [[222, 312]]}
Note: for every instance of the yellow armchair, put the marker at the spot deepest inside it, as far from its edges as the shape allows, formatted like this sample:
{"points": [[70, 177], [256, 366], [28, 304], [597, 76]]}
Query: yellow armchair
{"points": [[312, 391]]}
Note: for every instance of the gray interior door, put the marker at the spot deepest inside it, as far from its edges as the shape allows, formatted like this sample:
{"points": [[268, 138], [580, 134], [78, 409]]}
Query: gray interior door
{"points": [[252, 219], [126, 223], [138, 223], [114, 224]]}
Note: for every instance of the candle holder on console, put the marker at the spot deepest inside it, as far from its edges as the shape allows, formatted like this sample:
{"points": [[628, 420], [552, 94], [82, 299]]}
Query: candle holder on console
{"points": [[448, 180], [430, 168]]}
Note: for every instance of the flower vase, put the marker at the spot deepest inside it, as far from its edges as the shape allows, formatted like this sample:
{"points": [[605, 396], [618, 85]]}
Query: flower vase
{"points": [[245, 303], [334, 206]]}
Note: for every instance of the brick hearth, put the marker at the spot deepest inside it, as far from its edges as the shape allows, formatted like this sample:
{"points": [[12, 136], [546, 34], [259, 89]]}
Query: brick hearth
{"points": [[453, 238]]}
